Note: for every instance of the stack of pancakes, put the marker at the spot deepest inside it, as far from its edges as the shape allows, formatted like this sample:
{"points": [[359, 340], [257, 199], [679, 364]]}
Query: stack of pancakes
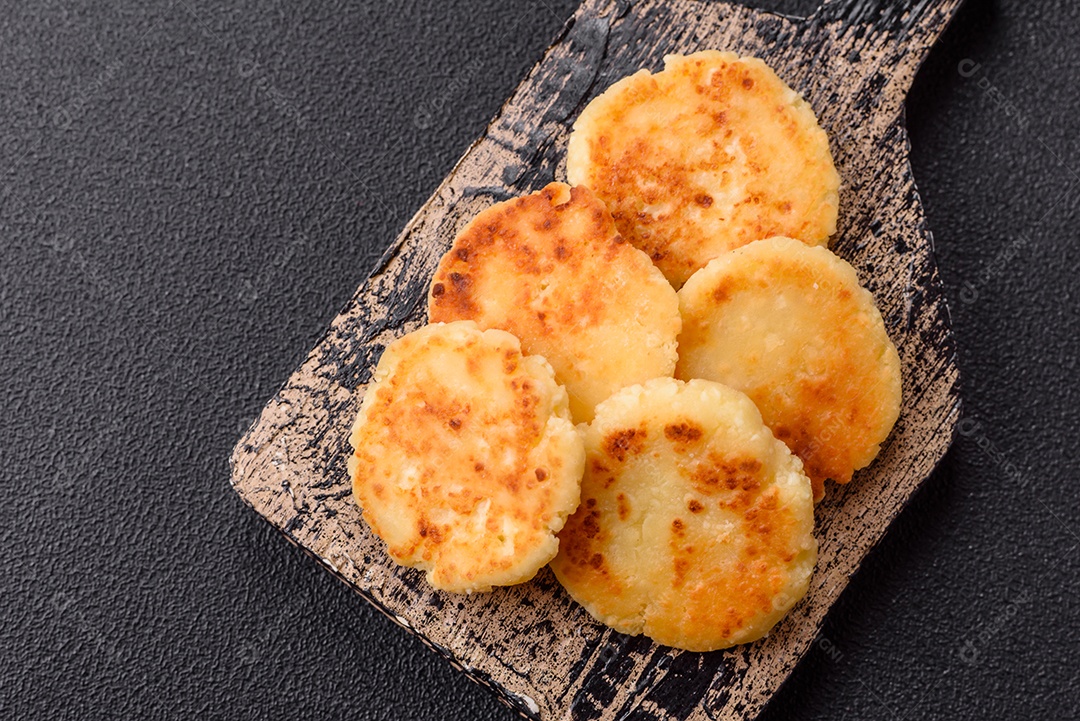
{"points": [[678, 303]]}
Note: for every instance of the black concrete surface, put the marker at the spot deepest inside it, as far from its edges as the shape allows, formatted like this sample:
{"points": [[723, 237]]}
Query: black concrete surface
{"points": [[190, 191]]}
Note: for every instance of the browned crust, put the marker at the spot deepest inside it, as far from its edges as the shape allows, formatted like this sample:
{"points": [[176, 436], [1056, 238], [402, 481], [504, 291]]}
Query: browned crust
{"points": [[552, 269], [711, 153]]}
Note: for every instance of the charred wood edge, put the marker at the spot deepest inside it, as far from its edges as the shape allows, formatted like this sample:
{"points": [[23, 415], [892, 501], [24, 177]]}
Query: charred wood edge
{"points": [[869, 25], [507, 698], [897, 19]]}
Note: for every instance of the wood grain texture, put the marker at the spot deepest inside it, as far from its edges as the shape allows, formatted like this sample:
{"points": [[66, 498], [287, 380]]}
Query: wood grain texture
{"points": [[853, 61]]}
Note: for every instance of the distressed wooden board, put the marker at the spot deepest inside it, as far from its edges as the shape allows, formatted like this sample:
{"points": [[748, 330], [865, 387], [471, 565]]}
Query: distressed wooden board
{"points": [[853, 61]]}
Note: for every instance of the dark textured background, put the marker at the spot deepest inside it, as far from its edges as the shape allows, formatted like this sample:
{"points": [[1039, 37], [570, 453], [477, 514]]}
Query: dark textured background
{"points": [[192, 189]]}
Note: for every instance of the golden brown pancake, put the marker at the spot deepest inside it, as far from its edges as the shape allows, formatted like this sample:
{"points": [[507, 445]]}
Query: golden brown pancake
{"points": [[466, 461], [710, 154], [790, 326], [695, 525], [551, 269]]}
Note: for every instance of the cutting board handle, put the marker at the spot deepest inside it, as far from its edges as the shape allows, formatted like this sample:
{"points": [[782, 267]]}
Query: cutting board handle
{"points": [[912, 24]]}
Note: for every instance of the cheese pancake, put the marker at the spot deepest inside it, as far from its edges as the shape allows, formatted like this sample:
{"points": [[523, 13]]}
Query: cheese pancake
{"points": [[466, 461], [790, 326], [551, 268], [695, 525], [713, 152]]}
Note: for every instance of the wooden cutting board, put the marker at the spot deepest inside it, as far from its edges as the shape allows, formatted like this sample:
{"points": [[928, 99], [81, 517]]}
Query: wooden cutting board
{"points": [[539, 651]]}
